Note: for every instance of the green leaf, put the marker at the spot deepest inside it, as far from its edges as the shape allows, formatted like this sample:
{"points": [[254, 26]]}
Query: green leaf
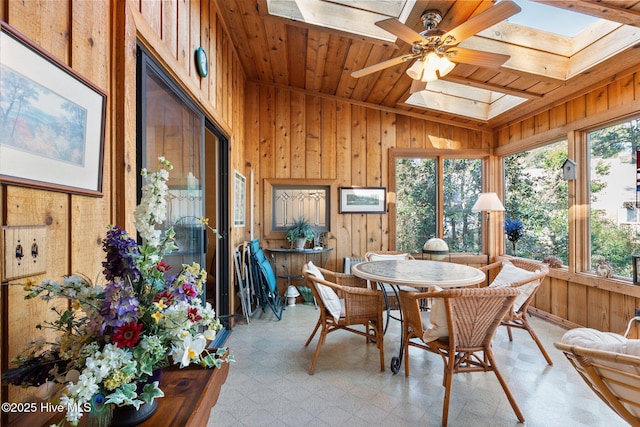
{"points": [[150, 392], [124, 395]]}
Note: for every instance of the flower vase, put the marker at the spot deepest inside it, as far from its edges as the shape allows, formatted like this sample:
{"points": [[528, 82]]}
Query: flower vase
{"points": [[128, 416], [301, 243]]}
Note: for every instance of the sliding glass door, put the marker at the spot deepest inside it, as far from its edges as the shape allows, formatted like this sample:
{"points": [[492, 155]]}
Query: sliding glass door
{"points": [[170, 125]]}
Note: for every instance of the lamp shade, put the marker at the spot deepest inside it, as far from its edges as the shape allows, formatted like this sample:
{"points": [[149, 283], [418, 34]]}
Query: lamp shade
{"points": [[292, 292], [416, 70], [291, 295], [487, 202]]}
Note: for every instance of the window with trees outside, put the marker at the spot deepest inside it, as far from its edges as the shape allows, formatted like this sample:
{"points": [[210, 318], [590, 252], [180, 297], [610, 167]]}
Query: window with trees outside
{"points": [[536, 203], [614, 220], [418, 190]]}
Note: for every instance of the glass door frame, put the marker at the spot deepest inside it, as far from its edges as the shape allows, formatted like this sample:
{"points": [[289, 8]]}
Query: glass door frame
{"points": [[145, 59]]}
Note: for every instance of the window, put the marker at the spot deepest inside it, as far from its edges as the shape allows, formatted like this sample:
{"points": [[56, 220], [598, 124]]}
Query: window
{"points": [[613, 216], [537, 196], [292, 202], [418, 191], [462, 184]]}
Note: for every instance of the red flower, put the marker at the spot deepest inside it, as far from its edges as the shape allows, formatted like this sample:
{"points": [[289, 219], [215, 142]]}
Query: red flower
{"points": [[193, 315], [164, 295], [189, 290], [127, 335], [163, 266]]}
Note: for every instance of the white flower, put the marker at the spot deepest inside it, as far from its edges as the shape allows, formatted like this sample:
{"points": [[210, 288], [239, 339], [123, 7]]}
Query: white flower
{"points": [[73, 410], [191, 349], [152, 209], [210, 334]]}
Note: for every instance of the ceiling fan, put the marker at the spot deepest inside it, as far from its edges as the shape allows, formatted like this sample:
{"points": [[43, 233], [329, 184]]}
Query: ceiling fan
{"points": [[436, 51]]}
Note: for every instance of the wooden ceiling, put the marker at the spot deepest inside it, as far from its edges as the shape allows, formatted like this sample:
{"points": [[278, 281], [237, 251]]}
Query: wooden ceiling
{"points": [[288, 53]]}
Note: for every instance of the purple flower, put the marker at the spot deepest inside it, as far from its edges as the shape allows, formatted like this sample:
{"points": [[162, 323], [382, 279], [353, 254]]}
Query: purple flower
{"points": [[121, 251], [120, 305]]}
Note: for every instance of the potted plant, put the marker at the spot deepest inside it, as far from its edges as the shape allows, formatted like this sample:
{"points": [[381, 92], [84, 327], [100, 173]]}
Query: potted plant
{"points": [[300, 232]]}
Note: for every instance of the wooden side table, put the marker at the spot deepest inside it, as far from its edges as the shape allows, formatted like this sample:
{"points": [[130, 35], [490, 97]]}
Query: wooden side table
{"points": [[318, 256], [189, 395]]}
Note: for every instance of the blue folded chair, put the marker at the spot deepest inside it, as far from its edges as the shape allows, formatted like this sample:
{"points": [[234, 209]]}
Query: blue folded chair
{"points": [[264, 280]]}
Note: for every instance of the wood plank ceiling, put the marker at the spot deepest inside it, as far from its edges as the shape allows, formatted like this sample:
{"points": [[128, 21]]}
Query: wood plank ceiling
{"points": [[289, 53]]}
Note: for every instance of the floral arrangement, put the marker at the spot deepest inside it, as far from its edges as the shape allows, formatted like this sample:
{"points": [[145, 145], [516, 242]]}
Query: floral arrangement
{"points": [[113, 338], [514, 229]]}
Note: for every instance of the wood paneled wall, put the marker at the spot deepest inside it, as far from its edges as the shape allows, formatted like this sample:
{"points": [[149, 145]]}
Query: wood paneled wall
{"points": [[302, 137], [98, 40], [568, 295]]}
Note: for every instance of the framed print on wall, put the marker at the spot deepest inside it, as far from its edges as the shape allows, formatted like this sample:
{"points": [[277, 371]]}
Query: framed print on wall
{"points": [[52, 122], [239, 199], [363, 200]]}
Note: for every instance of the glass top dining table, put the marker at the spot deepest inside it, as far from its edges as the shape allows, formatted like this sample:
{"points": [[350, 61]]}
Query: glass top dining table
{"points": [[420, 274]]}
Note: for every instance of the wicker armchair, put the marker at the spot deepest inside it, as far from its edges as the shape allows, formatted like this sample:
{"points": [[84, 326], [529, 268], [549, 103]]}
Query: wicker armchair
{"points": [[359, 306], [472, 317], [614, 377], [518, 318], [390, 293]]}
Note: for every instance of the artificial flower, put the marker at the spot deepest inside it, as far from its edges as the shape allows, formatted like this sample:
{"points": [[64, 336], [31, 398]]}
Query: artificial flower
{"points": [[113, 337]]}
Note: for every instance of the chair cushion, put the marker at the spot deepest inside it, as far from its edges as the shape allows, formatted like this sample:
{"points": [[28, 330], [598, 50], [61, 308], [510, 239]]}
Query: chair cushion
{"points": [[618, 372], [327, 295], [382, 257], [509, 274], [598, 340], [438, 327]]}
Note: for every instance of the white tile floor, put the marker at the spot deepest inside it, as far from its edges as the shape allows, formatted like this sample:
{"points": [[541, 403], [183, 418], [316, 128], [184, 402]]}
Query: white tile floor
{"points": [[269, 385]]}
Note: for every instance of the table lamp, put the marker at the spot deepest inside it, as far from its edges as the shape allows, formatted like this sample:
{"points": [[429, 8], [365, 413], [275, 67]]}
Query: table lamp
{"points": [[437, 249], [488, 202], [291, 295]]}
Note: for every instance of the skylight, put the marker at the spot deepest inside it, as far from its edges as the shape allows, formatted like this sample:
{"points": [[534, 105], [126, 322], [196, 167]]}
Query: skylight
{"points": [[551, 19], [353, 16], [463, 100]]}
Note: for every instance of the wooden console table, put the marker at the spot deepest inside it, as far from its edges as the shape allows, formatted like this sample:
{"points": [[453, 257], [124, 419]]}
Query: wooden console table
{"points": [[189, 395]]}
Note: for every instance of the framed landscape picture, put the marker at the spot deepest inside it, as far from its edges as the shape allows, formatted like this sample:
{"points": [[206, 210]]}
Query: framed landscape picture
{"points": [[52, 121], [363, 200]]}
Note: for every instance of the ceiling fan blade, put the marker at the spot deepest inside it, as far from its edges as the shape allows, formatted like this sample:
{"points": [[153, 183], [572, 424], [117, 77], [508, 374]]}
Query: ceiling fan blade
{"points": [[382, 65], [400, 30], [417, 86], [476, 57], [482, 21]]}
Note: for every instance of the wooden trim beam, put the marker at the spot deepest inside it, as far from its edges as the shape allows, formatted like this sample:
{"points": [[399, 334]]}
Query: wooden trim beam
{"points": [[598, 9], [476, 125], [491, 86]]}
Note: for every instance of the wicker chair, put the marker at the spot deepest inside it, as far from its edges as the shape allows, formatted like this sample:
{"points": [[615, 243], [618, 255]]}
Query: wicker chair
{"points": [[614, 377], [361, 306], [472, 317], [518, 318], [390, 294]]}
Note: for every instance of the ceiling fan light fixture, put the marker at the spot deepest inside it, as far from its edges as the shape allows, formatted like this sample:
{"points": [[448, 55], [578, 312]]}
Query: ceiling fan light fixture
{"points": [[431, 65], [445, 66], [429, 75], [416, 70]]}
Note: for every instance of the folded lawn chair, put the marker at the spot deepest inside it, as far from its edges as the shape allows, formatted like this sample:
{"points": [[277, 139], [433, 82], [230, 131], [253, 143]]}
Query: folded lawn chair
{"points": [[264, 280]]}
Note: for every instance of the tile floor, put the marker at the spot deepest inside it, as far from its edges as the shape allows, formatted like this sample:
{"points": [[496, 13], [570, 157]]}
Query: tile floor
{"points": [[269, 384]]}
